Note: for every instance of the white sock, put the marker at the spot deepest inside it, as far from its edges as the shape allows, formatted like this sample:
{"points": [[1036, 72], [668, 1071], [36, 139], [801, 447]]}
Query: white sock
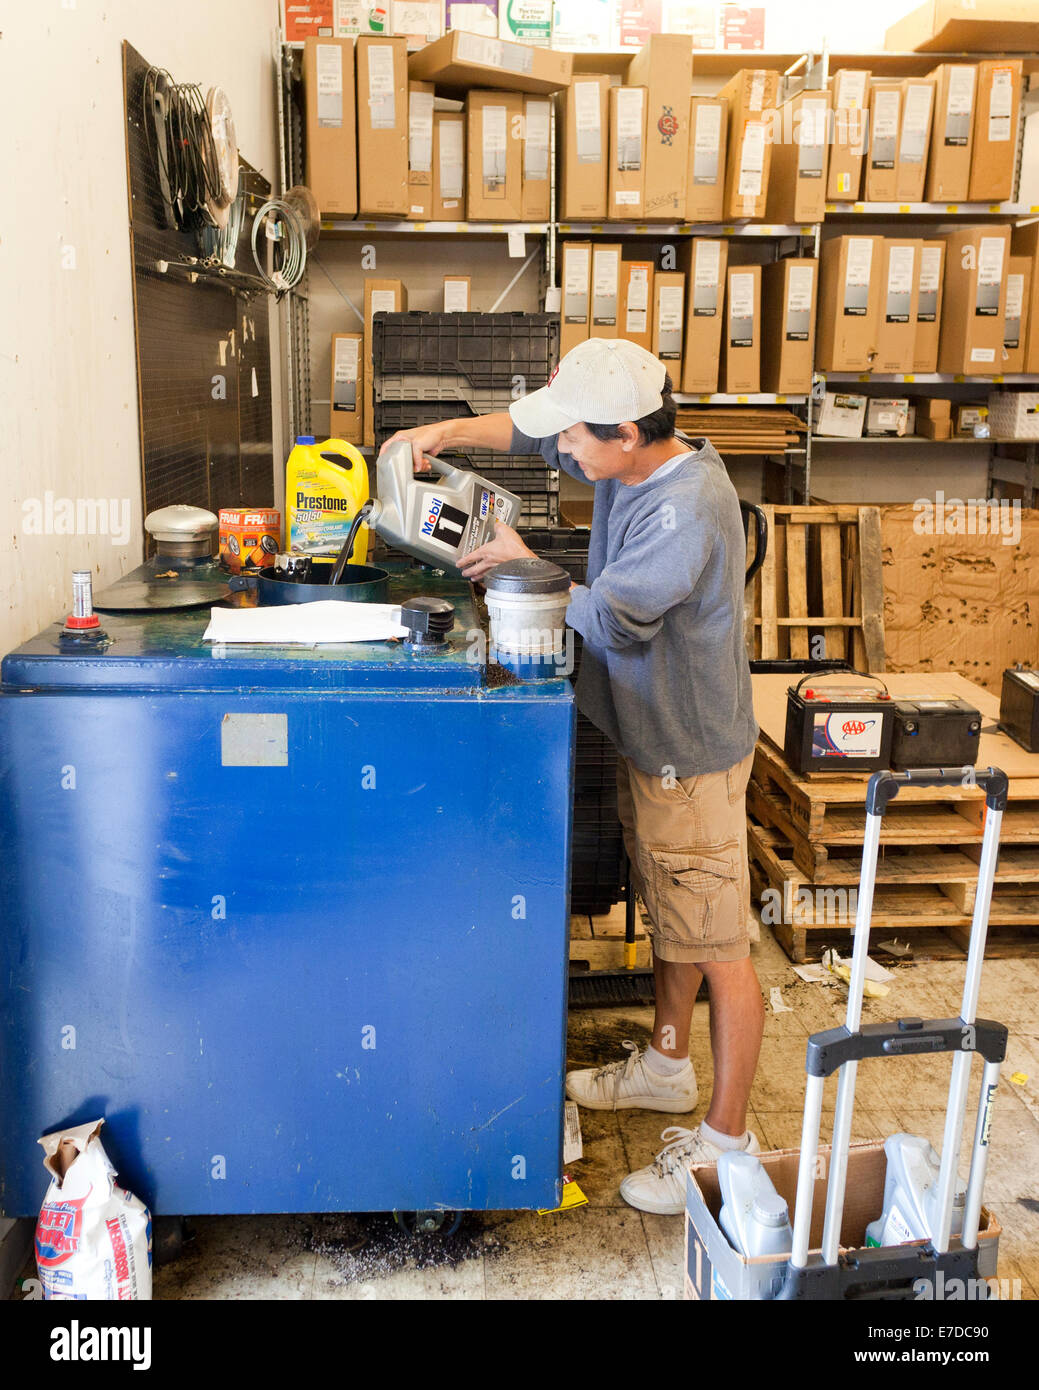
{"points": [[726, 1142], [664, 1065]]}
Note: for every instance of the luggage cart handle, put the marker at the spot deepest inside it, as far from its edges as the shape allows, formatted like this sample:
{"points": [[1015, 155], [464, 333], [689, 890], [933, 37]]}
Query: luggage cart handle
{"points": [[885, 786]]}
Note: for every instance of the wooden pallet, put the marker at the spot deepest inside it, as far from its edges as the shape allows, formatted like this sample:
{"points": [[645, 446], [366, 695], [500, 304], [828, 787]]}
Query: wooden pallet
{"points": [[806, 919], [820, 590]]}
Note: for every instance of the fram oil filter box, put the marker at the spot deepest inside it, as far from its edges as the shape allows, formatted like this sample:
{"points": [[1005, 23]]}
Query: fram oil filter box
{"points": [[899, 292], [741, 340], [974, 301], [495, 137], [627, 145], [706, 262], [331, 124], [576, 279], [849, 297], [347, 391], [952, 133], [382, 126], [585, 146], [995, 131], [850, 122], [788, 324], [931, 266], [250, 538], [664, 66], [842, 728], [637, 302], [708, 142], [751, 96]]}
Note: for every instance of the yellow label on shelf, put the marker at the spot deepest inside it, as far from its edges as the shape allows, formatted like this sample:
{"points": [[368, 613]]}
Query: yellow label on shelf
{"points": [[642, 227], [858, 207], [597, 227], [703, 398], [864, 376], [1034, 207], [419, 226], [807, 231], [742, 400], [998, 378], [728, 231], [952, 207], [780, 400], [994, 207], [959, 377], [903, 207], [327, 226], [908, 377]]}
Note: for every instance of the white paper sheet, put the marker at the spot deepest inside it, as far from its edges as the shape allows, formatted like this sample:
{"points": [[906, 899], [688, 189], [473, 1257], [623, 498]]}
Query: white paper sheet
{"points": [[304, 624]]}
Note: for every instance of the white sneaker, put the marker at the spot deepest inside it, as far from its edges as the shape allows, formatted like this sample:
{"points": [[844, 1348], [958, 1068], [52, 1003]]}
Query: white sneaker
{"points": [[631, 1085], [660, 1188]]}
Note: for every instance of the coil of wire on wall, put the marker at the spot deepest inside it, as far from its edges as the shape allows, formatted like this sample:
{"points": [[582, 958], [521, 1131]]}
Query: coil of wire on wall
{"points": [[285, 232], [192, 145], [219, 245]]}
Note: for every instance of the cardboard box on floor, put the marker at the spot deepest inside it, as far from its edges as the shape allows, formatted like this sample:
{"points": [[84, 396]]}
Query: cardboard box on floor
{"points": [[576, 283], [800, 160], [705, 261], [967, 26], [448, 196], [537, 124], [914, 138], [380, 296], [494, 133], [996, 114], [347, 393], [849, 300], [899, 293], [708, 142], [584, 166], [885, 116], [850, 134], [462, 61], [952, 133], [788, 291], [1015, 324], [930, 282], [331, 125], [420, 151], [636, 322], [669, 320], [606, 290], [626, 192], [664, 66], [751, 96], [382, 126], [1024, 241], [974, 300], [741, 339]]}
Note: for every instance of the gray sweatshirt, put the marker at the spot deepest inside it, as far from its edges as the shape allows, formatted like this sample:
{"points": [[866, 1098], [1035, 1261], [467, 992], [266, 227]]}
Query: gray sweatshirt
{"points": [[664, 670]]}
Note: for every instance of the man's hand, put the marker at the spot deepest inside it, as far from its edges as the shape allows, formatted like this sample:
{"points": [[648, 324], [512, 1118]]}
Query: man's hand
{"points": [[426, 441], [507, 545]]}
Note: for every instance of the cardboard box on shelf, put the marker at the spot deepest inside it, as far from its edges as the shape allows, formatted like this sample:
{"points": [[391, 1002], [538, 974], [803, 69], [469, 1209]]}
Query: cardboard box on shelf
{"points": [[842, 416], [751, 97], [1025, 242], [382, 126], [850, 134], [494, 130], [952, 133], [788, 291], [914, 139], [708, 141], [456, 294], [664, 66], [356, 17], [585, 149], [741, 340], [420, 151], [417, 21], [800, 160], [966, 26], [625, 198], [885, 114], [974, 300], [606, 290], [929, 306], [669, 320], [934, 418], [996, 113], [899, 295], [969, 418], [887, 416], [636, 321], [380, 296], [706, 261], [576, 280], [1015, 322], [526, 21], [849, 301], [537, 124], [448, 202], [462, 61], [331, 125], [307, 19], [347, 393]]}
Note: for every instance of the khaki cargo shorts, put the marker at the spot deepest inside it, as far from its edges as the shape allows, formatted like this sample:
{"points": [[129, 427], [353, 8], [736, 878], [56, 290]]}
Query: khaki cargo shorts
{"points": [[687, 841]]}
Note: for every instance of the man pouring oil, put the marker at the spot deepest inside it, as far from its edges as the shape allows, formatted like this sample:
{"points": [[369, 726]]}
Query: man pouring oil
{"points": [[665, 675]]}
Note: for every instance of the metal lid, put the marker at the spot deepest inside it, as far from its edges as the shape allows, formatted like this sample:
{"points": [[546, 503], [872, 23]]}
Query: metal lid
{"points": [[180, 523], [533, 576]]}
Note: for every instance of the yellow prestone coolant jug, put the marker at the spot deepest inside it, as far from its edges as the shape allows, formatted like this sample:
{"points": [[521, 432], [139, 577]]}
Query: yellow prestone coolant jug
{"points": [[325, 486]]}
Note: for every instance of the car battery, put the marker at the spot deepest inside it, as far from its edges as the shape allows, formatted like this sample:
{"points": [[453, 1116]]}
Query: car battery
{"points": [[1019, 707], [935, 733], [838, 728]]}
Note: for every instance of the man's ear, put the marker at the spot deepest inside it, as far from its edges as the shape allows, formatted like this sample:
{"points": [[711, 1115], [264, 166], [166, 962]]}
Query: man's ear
{"points": [[629, 435]]}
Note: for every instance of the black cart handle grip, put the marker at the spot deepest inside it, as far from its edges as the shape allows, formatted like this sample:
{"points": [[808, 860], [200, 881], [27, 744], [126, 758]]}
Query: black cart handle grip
{"points": [[820, 675], [884, 786]]}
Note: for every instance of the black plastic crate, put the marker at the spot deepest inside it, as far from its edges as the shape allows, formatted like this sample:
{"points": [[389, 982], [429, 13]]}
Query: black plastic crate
{"points": [[489, 350]]}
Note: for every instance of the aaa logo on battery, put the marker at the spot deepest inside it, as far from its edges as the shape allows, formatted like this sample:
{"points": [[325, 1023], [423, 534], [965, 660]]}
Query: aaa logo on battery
{"points": [[668, 125], [853, 726]]}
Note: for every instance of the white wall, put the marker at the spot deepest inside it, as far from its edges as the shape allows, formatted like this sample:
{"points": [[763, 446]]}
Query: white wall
{"points": [[67, 360]]}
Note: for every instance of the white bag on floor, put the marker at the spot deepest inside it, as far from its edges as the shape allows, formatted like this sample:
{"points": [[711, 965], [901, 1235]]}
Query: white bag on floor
{"points": [[93, 1239]]}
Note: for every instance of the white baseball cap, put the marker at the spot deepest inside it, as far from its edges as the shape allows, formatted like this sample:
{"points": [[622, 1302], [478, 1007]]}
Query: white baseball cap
{"points": [[602, 381]]}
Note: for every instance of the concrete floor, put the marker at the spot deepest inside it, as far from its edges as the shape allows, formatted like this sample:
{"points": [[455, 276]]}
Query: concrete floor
{"points": [[606, 1250]]}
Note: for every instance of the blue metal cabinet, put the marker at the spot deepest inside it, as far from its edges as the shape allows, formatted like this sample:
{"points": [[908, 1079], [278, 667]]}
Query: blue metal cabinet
{"points": [[293, 921]]}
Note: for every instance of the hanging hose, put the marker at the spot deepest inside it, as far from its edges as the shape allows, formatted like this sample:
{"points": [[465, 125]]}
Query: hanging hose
{"points": [[290, 236]]}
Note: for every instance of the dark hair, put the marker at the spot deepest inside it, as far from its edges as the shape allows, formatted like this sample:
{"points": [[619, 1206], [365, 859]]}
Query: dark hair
{"points": [[652, 428]]}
